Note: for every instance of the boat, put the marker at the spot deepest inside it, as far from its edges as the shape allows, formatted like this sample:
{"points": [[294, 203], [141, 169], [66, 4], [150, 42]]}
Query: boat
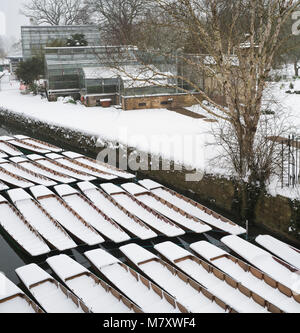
{"points": [[74, 164], [19, 171], [92, 214], [39, 219], [194, 297], [178, 216], [28, 146], [58, 167], [199, 211], [134, 226], [13, 299], [38, 143], [66, 216], [282, 250], [9, 149], [14, 180], [98, 165], [249, 276], [49, 293], [14, 223], [158, 223], [148, 296], [286, 275], [95, 293], [39, 169]]}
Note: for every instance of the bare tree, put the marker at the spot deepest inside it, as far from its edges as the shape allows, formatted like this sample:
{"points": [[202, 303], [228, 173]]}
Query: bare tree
{"points": [[118, 18], [56, 12]]}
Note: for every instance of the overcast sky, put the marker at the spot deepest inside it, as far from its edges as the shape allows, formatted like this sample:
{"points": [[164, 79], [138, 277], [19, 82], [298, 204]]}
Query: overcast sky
{"points": [[14, 20]]}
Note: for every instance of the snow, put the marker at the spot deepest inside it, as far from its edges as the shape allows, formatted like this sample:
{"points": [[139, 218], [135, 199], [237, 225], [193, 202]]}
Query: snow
{"points": [[231, 296], [133, 288], [47, 293], [3, 155], [48, 228], [94, 217], [190, 207], [134, 189], [260, 287], [24, 145], [92, 294], [110, 188], [3, 187], [65, 216], [192, 299], [18, 159], [20, 232], [13, 180], [185, 221], [36, 143], [6, 138], [117, 214], [9, 149], [280, 249], [263, 260]]}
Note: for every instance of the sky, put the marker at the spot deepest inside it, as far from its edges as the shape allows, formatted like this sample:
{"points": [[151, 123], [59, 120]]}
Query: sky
{"points": [[10, 10]]}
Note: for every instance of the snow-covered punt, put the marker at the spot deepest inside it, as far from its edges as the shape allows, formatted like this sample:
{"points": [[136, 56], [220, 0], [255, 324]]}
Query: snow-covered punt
{"points": [[29, 146], [219, 284], [20, 230], [36, 215], [66, 216], [37, 143], [250, 277], [286, 275], [189, 293], [3, 187], [9, 149], [96, 294], [98, 165], [40, 169], [58, 167], [11, 179], [157, 222], [115, 211], [148, 296], [13, 300], [193, 208], [50, 294], [19, 171], [92, 214], [176, 215], [282, 250], [74, 164]]}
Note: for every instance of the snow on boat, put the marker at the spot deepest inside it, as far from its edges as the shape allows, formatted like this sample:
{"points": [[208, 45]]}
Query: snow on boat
{"points": [[47, 227], [74, 164], [155, 221], [148, 296], [96, 294], [9, 149], [193, 208], [178, 216], [11, 179], [28, 146], [3, 154], [58, 167], [19, 171], [194, 297], [38, 143], [238, 297], [20, 230], [50, 294], [286, 275], [250, 277], [66, 216], [3, 187], [98, 165], [37, 168], [282, 250], [13, 300], [92, 214], [119, 214]]}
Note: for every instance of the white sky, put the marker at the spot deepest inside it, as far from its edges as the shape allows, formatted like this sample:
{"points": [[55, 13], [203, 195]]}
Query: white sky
{"points": [[13, 18]]}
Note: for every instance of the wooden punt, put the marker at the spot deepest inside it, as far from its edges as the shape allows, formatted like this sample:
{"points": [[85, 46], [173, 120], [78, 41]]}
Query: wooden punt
{"points": [[95, 293], [193, 208], [66, 216], [38, 143], [9, 149], [176, 215], [49, 293]]}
